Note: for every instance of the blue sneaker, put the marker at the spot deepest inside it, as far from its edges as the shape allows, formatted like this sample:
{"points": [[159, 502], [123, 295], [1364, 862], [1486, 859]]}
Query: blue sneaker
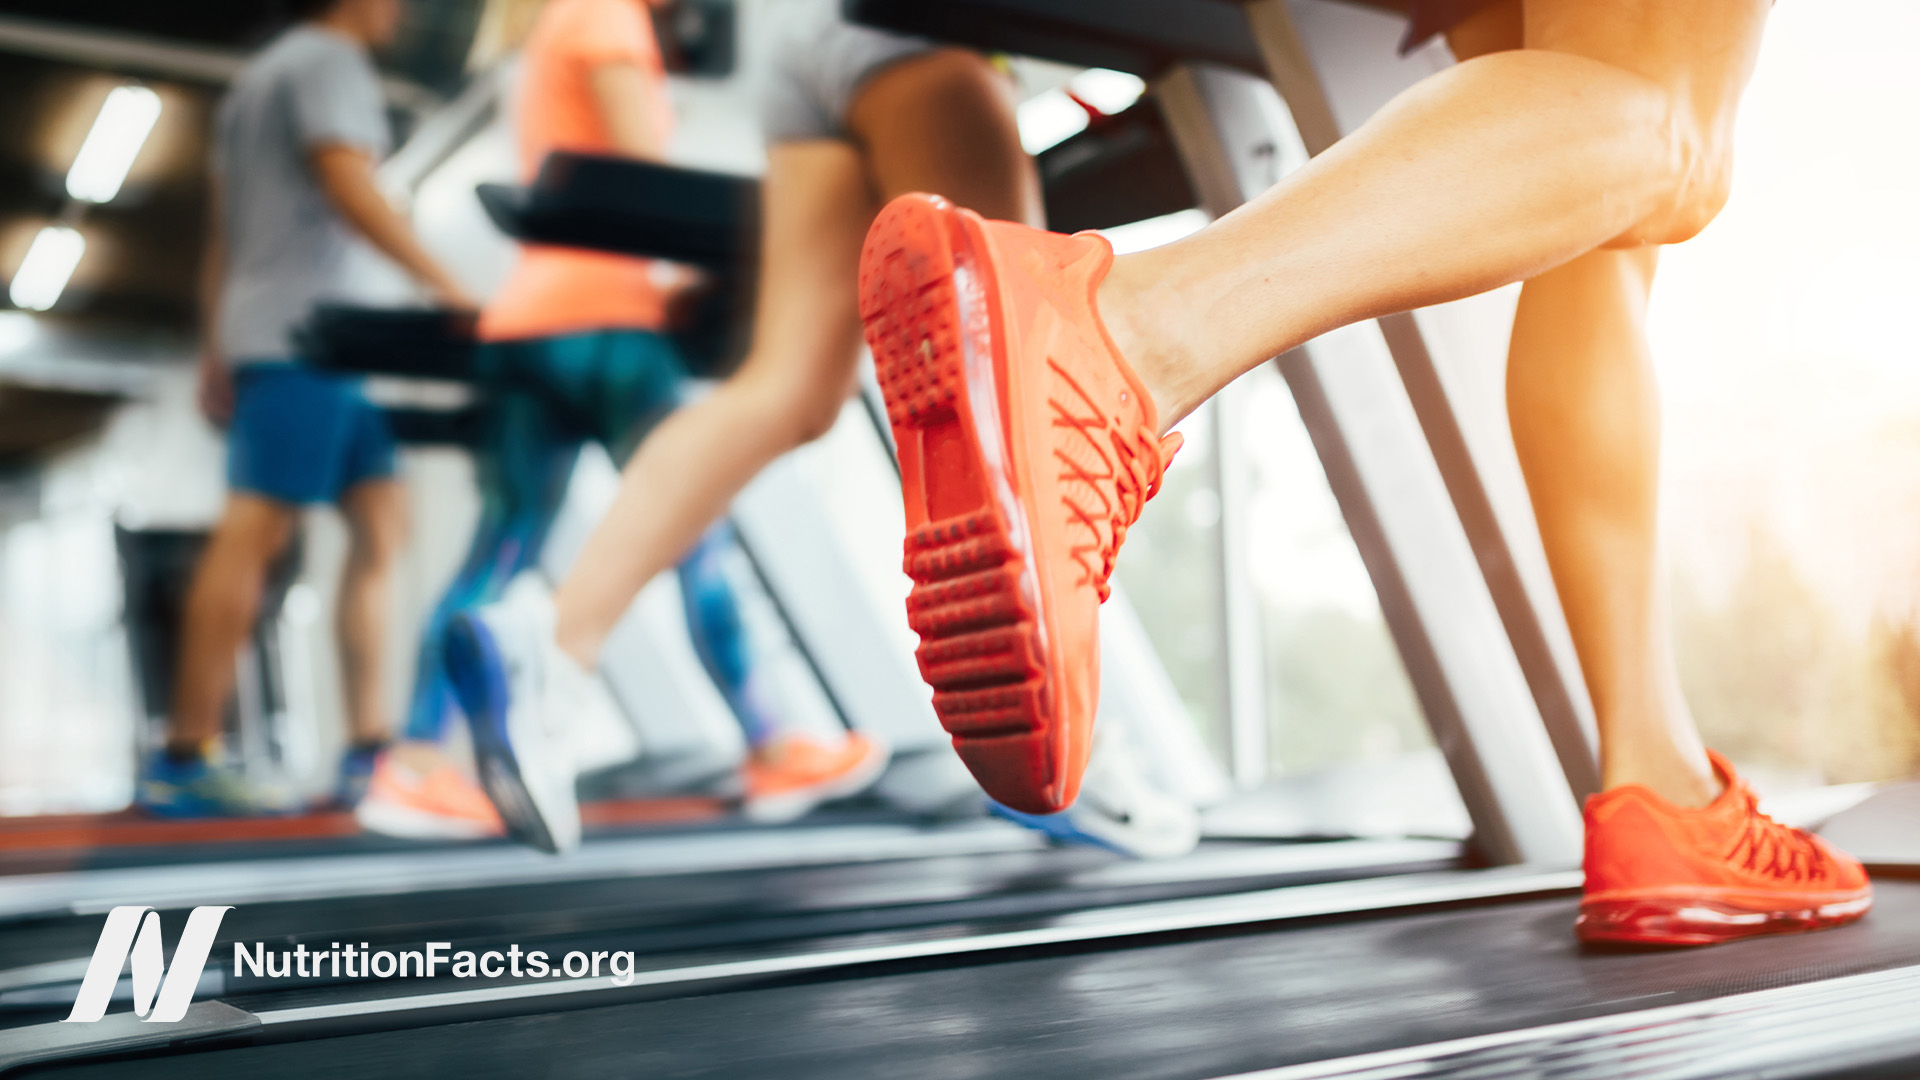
{"points": [[193, 789], [1117, 810], [522, 696]]}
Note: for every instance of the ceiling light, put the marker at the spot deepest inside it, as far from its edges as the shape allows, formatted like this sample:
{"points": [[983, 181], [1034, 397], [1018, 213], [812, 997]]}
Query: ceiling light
{"points": [[118, 133], [1048, 119], [44, 272], [1112, 92]]}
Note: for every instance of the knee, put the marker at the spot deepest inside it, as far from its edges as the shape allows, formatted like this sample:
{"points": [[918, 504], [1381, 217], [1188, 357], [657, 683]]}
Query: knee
{"points": [[378, 538], [815, 416], [242, 546], [1698, 178]]}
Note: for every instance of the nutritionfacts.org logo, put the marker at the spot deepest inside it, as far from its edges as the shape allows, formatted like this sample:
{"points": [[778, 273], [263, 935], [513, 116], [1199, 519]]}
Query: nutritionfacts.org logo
{"points": [[133, 934], [163, 992]]}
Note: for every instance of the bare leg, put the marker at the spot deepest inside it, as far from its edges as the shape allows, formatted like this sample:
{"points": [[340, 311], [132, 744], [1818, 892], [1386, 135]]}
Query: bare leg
{"points": [[943, 122], [376, 513], [222, 603], [1585, 410], [1612, 127]]}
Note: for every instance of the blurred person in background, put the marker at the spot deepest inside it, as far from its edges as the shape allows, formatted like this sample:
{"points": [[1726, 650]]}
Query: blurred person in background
{"points": [[851, 116], [574, 350], [296, 141]]}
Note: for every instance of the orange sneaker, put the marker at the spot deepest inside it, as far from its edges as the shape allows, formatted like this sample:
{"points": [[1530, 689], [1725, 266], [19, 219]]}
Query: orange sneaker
{"points": [[1027, 447], [1661, 875], [789, 777], [441, 804]]}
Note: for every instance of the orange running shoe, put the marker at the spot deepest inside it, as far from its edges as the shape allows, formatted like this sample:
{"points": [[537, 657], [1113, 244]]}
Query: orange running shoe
{"points": [[1027, 447], [1658, 874], [441, 804], [790, 776]]}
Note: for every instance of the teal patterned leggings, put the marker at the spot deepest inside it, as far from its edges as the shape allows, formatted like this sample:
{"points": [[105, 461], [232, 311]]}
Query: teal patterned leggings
{"points": [[545, 398]]}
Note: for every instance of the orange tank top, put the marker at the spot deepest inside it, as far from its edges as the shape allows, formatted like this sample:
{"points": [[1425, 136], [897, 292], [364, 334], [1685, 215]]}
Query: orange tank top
{"points": [[552, 290]]}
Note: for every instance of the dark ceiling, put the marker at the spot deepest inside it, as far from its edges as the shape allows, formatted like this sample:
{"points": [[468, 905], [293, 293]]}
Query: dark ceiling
{"points": [[140, 271], [432, 49], [143, 247]]}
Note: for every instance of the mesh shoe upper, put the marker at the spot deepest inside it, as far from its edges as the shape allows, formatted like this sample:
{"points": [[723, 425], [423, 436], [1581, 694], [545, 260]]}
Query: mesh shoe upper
{"points": [[1028, 447], [1638, 843]]}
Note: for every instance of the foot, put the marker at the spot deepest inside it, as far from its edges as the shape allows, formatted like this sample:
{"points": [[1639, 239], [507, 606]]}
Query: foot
{"points": [[441, 803], [1119, 810], [195, 788], [522, 694], [794, 774], [1658, 874], [1027, 447]]}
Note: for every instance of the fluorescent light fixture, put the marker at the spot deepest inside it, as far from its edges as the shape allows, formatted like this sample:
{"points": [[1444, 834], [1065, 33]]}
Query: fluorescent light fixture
{"points": [[118, 133], [1111, 92], [1051, 118], [43, 274], [1048, 119]]}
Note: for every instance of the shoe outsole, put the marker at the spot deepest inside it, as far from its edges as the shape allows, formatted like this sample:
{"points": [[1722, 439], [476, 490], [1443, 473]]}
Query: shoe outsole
{"points": [[408, 823], [479, 682], [976, 602], [1060, 828], [1654, 922]]}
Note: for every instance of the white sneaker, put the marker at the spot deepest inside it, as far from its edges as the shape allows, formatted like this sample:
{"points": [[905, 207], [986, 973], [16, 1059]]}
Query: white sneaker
{"points": [[1118, 809], [522, 696]]}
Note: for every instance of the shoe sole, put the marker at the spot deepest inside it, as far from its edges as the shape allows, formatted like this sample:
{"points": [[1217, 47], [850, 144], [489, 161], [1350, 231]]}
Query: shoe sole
{"points": [[408, 823], [1691, 920], [1059, 828], [476, 672], [976, 601], [1089, 829]]}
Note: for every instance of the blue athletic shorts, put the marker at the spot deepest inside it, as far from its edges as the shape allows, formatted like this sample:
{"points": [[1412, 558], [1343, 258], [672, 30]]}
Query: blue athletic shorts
{"points": [[303, 436]]}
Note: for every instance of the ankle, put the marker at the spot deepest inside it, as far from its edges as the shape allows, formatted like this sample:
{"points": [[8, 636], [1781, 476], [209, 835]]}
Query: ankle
{"points": [[580, 644], [184, 751], [1672, 776], [1121, 305], [418, 756]]}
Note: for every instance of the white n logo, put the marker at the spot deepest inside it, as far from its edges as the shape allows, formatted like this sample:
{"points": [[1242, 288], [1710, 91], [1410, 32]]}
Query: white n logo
{"points": [[117, 943]]}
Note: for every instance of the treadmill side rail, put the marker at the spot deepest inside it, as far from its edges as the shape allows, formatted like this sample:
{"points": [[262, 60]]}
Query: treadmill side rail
{"points": [[118, 1033]]}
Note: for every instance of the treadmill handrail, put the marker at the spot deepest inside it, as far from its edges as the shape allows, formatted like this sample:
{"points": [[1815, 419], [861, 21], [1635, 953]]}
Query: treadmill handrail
{"points": [[631, 207], [418, 343]]}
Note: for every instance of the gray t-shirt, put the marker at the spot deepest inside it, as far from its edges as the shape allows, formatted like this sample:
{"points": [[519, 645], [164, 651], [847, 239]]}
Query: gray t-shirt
{"points": [[286, 248]]}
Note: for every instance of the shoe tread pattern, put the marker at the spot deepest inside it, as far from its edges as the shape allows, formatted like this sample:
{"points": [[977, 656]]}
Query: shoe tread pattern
{"points": [[980, 648]]}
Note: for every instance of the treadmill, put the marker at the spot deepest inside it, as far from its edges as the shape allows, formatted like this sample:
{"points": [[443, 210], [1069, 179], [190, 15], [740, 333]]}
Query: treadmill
{"points": [[674, 892], [1463, 970]]}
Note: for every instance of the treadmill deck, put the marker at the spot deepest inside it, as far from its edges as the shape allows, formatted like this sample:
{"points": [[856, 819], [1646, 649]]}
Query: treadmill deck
{"points": [[1214, 1004]]}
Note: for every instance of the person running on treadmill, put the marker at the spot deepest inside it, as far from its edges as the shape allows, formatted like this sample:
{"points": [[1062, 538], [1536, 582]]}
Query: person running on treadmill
{"points": [[573, 349], [850, 115], [296, 140], [1031, 380]]}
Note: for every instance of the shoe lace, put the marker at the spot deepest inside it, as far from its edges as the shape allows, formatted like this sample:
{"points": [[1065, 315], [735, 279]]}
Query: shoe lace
{"points": [[1132, 466], [1765, 846]]}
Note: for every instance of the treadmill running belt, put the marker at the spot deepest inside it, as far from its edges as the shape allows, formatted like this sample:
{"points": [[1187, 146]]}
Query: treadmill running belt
{"points": [[1203, 1008]]}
